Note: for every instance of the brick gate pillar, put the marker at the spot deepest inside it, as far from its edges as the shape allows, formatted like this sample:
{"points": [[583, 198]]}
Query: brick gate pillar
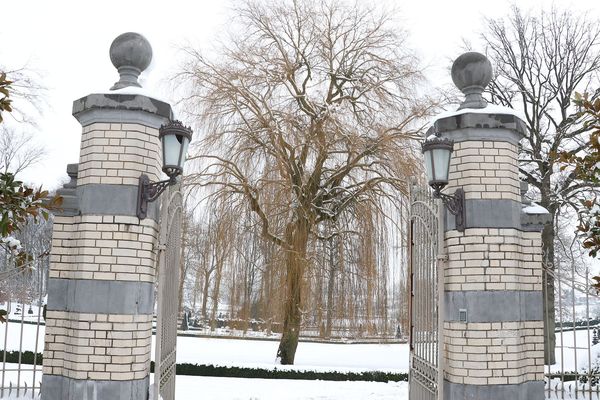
{"points": [[493, 329], [101, 286]]}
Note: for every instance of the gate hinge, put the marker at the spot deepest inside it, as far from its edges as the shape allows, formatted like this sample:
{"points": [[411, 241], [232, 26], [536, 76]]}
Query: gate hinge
{"points": [[442, 257], [161, 247]]}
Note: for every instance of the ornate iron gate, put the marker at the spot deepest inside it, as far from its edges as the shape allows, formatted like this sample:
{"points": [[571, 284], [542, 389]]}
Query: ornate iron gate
{"points": [[22, 291], [168, 287], [576, 372], [424, 295]]}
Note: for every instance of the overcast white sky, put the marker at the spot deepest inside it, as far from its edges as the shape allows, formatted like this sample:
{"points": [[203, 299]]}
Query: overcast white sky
{"points": [[68, 42]]}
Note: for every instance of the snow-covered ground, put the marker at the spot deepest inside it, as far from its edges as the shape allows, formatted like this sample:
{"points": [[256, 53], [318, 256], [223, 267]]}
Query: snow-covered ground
{"points": [[574, 355], [260, 354], [255, 353], [192, 387], [309, 356], [213, 388]]}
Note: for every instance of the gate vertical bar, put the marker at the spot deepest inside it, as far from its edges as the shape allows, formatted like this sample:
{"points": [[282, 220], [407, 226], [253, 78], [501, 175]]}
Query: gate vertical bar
{"points": [[442, 259], [168, 288], [425, 292], [160, 272]]}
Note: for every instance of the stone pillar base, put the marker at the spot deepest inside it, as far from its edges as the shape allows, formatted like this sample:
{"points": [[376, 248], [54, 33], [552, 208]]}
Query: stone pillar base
{"points": [[532, 390], [61, 387]]}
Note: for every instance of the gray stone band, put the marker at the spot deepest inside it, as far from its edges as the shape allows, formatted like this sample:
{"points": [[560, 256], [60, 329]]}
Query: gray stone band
{"points": [[100, 297], [496, 135], [121, 108], [494, 213], [532, 390], [480, 126], [58, 387], [102, 199], [493, 306]]}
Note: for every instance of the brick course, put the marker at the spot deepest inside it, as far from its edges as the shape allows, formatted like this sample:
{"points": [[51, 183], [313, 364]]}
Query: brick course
{"points": [[493, 259], [118, 154], [103, 247], [97, 346]]}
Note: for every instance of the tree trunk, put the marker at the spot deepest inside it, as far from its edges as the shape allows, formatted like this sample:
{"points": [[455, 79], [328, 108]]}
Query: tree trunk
{"points": [[330, 286], [182, 263], [215, 297], [205, 294], [295, 259], [182, 273], [319, 296], [548, 288]]}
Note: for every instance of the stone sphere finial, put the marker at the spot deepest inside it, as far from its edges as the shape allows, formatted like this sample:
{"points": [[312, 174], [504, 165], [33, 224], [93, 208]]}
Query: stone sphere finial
{"points": [[130, 53], [471, 73]]}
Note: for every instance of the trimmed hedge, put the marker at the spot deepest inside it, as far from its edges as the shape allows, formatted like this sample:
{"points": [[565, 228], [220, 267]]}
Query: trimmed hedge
{"points": [[26, 357], [241, 372]]}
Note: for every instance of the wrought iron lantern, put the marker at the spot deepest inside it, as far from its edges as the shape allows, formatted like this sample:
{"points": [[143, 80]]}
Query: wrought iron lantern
{"points": [[437, 152], [175, 139]]}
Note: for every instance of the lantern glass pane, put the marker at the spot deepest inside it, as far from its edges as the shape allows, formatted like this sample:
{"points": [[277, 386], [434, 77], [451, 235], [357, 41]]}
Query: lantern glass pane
{"points": [[441, 161], [428, 165], [171, 148], [184, 149]]}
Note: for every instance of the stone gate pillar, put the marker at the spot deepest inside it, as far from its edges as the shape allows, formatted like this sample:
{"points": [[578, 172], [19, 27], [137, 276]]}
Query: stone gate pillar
{"points": [[493, 338], [101, 286]]}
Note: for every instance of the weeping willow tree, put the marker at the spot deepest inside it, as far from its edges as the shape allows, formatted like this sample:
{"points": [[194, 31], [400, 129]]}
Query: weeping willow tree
{"points": [[308, 110]]}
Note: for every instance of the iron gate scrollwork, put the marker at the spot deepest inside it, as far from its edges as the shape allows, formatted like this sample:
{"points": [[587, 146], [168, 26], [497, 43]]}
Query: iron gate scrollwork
{"points": [[424, 296], [168, 287]]}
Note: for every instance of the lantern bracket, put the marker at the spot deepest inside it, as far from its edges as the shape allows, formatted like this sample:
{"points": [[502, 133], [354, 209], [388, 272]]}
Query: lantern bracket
{"points": [[455, 204], [150, 191]]}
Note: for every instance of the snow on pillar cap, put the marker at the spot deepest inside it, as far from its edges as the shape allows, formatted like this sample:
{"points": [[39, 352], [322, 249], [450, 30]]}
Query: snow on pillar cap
{"points": [[471, 73], [131, 54]]}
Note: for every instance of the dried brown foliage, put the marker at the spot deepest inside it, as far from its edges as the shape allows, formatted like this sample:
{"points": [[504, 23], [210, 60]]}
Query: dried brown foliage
{"points": [[310, 109]]}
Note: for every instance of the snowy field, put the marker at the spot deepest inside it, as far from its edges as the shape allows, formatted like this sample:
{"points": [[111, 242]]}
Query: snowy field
{"points": [[256, 353], [261, 354], [191, 387], [578, 352], [309, 356], [212, 388]]}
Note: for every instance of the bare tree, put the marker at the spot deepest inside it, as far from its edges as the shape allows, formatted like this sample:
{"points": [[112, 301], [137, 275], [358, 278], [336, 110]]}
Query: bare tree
{"points": [[18, 151], [540, 62], [27, 94], [17, 148], [314, 102]]}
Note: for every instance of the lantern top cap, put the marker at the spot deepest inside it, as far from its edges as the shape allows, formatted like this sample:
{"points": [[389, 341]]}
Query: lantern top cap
{"points": [[131, 54], [437, 142], [177, 127], [471, 73]]}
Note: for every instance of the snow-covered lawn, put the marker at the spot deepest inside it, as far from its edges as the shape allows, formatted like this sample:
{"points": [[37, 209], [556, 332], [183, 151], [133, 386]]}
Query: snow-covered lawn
{"points": [[192, 387], [256, 353], [24, 378], [574, 355], [11, 332], [309, 356], [261, 354], [212, 388]]}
